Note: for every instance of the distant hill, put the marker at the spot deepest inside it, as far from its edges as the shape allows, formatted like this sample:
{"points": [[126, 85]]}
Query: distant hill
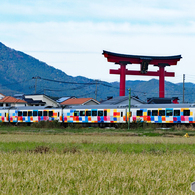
{"points": [[17, 70]]}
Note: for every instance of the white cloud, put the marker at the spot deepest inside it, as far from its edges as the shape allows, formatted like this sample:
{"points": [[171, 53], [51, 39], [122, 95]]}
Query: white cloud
{"points": [[76, 48], [140, 11], [81, 30]]}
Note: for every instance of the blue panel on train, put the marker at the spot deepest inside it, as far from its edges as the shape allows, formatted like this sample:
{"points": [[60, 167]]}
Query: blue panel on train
{"points": [[152, 118], [178, 118], [190, 118], [86, 118], [114, 119], [160, 119], [68, 114]]}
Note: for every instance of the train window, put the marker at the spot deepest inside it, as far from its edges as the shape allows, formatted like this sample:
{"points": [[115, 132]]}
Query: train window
{"points": [[94, 112], [25, 113], [176, 112], [82, 113], [76, 113], [161, 112], [50, 113], [19, 113], [29, 113], [100, 113], [186, 112], [34, 113], [40, 113], [149, 113], [58, 114], [5, 114], [105, 113], [45, 113], [139, 112], [121, 114], [154, 112], [169, 112], [88, 113]]}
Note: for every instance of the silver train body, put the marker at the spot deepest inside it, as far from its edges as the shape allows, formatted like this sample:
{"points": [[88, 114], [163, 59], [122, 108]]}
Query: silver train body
{"points": [[102, 114]]}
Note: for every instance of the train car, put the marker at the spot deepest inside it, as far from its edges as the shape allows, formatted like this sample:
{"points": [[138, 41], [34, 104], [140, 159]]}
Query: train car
{"points": [[164, 113], [34, 114], [101, 115], [95, 114], [4, 114]]}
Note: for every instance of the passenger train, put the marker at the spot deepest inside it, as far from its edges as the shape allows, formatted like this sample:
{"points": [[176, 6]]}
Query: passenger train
{"points": [[101, 115]]}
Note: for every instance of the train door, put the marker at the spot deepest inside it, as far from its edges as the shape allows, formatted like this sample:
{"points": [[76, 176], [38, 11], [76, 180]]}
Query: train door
{"points": [[13, 115], [121, 116], [4, 115]]}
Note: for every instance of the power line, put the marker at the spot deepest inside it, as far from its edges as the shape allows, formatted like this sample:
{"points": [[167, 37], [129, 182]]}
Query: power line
{"points": [[15, 83]]}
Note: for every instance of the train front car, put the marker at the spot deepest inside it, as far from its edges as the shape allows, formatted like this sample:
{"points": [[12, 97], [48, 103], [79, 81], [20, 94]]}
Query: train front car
{"points": [[36, 114], [4, 114], [163, 113], [94, 115]]}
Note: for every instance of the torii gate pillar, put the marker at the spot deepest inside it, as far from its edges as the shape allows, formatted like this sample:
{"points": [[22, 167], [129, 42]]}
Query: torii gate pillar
{"points": [[162, 82], [122, 79], [144, 61]]}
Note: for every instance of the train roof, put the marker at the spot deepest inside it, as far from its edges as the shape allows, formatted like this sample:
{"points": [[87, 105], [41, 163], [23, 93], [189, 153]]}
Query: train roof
{"points": [[132, 106], [163, 106], [35, 108]]}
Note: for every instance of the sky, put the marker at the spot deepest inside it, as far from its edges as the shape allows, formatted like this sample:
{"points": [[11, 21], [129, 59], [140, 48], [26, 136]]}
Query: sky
{"points": [[71, 35]]}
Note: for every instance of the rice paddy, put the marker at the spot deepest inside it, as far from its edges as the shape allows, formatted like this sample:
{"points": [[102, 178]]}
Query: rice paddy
{"points": [[95, 164]]}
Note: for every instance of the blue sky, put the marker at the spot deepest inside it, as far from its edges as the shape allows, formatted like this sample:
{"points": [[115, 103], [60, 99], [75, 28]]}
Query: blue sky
{"points": [[71, 35]]}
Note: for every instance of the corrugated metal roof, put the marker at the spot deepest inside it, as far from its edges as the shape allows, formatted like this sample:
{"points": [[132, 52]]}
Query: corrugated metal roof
{"points": [[119, 99]]}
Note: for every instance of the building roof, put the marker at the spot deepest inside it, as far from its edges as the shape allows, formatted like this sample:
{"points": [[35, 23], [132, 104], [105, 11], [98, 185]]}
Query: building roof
{"points": [[78, 101], [62, 99], [157, 100], [2, 94], [31, 101], [120, 99], [9, 99]]}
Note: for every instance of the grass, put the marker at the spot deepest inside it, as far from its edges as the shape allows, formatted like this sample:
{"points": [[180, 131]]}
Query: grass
{"points": [[158, 148], [146, 130]]}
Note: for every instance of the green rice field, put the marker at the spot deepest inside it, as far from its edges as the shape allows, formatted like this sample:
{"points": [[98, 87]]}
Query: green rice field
{"points": [[95, 163]]}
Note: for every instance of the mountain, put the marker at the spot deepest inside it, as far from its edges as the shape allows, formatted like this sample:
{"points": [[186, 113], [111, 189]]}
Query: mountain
{"points": [[18, 69]]}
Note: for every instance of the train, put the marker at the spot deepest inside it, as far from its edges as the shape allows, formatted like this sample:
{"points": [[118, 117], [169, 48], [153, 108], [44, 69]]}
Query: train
{"points": [[101, 115]]}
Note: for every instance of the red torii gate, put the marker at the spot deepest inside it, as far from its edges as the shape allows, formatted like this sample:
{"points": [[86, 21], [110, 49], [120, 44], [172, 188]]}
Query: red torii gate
{"points": [[144, 61]]}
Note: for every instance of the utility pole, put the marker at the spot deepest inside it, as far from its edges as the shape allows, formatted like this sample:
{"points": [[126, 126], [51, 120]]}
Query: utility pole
{"points": [[129, 107], [183, 86], [36, 82]]}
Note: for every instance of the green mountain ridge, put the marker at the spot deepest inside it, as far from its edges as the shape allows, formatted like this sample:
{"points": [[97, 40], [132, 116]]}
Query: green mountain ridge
{"points": [[17, 70]]}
